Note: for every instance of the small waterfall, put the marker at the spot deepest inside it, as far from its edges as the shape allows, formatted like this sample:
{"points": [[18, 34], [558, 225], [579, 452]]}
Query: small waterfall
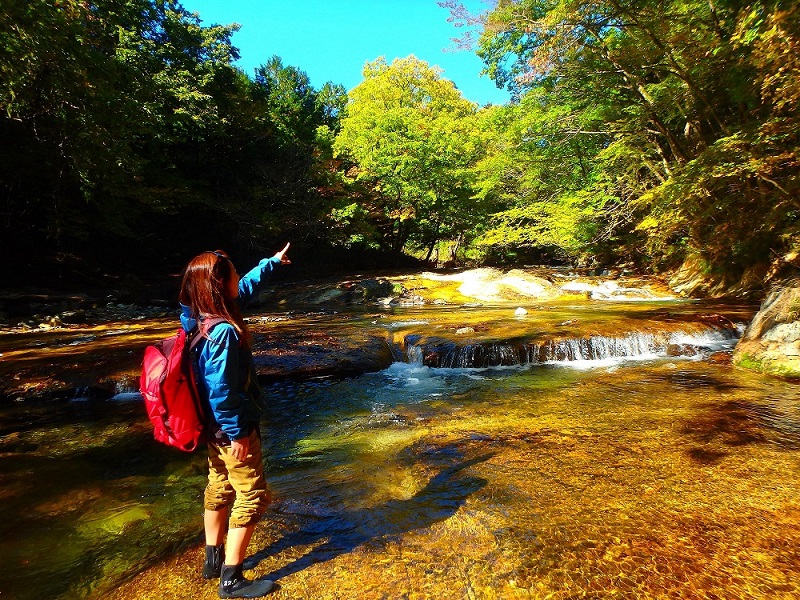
{"points": [[443, 353], [484, 355], [415, 354], [597, 347]]}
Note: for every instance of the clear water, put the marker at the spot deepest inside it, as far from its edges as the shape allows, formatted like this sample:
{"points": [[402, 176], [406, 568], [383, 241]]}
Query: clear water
{"points": [[647, 476]]}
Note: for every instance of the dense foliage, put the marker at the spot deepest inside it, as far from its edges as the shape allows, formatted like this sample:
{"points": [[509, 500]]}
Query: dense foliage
{"points": [[641, 130], [413, 139], [130, 140], [650, 130]]}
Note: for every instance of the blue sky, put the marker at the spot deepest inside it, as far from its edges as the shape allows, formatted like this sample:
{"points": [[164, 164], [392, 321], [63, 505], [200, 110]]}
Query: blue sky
{"points": [[332, 39]]}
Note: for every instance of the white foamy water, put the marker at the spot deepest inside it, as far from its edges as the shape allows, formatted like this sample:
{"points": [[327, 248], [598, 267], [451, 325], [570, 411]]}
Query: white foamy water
{"points": [[401, 324], [580, 353], [599, 363]]}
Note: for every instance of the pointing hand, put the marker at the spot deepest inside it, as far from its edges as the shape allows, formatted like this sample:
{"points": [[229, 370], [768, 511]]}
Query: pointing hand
{"points": [[282, 255]]}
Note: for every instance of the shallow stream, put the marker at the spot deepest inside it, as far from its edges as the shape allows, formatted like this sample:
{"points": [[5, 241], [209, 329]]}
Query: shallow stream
{"points": [[626, 458]]}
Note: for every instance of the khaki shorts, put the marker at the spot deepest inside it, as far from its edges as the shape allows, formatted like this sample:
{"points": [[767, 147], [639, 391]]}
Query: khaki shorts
{"points": [[238, 483]]}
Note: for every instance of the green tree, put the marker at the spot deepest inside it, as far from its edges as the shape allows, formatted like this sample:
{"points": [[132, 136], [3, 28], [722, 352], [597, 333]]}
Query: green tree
{"points": [[128, 128], [680, 96], [295, 180], [90, 92], [412, 137], [535, 174]]}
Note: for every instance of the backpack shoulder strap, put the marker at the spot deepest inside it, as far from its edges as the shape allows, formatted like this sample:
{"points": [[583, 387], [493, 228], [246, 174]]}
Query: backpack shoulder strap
{"points": [[199, 332]]}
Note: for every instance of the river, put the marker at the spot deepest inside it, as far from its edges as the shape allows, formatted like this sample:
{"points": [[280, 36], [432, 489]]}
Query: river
{"points": [[579, 449]]}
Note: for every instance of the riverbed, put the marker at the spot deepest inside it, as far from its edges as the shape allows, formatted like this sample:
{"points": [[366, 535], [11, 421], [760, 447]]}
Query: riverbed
{"points": [[624, 457]]}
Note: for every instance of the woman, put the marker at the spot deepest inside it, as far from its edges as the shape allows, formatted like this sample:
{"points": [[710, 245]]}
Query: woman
{"points": [[236, 495]]}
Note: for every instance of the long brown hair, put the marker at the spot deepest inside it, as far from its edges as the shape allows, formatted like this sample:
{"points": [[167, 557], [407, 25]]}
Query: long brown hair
{"points": [[203, 285]]}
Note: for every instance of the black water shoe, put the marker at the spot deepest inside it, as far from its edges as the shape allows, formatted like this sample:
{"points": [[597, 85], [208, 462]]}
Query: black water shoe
{"points": [[233, 584], [215, 556]]}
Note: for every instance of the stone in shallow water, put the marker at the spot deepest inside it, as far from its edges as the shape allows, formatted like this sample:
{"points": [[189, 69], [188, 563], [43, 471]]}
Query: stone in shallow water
{"points": [[720, 358], [114, 521], [682, 350]]}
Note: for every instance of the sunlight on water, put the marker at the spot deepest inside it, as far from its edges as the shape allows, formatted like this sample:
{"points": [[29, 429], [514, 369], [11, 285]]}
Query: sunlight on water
{"points": [[646, 479]]}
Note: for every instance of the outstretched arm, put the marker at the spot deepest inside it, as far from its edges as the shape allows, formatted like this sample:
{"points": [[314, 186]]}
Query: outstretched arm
{"points": [[251, 282]]}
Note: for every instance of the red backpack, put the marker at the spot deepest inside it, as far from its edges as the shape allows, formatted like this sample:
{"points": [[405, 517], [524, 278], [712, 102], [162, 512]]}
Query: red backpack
{"points": [[170, 391]]}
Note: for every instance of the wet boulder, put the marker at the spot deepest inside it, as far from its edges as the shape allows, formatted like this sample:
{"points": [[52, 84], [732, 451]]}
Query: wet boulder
{"points": [[73, 316], [771, 343], [372, 289], [328, 295], [289, 352], [719, 358], [682, 350], [362, 291]]}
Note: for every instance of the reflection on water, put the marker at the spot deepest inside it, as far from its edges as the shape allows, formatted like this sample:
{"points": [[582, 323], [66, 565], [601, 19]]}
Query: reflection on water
{"points": [[660, 477]]}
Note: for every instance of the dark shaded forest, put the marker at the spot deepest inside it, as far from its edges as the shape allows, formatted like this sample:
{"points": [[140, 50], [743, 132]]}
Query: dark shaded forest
{"points": [[650, 134]]}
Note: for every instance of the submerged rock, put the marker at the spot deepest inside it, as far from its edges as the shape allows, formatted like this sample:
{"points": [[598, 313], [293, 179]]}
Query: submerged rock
{"points": [[682, 350], [771, 343], [720, 358]]}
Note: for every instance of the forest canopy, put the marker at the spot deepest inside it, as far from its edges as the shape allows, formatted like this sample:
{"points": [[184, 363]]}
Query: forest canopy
{"points": [[652, 131], [649, 133]]}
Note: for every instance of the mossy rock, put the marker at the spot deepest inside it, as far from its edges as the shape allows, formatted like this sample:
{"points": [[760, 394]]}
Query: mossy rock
{"points": [[771, 343]]}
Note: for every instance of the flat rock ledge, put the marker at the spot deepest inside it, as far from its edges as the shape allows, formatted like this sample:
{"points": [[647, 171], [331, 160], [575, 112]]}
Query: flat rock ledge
{"points": [[771, 343], [313, 354]]}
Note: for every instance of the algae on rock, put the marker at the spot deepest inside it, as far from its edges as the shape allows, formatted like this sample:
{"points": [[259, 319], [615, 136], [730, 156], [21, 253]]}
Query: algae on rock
{"points": [[771, 343]]}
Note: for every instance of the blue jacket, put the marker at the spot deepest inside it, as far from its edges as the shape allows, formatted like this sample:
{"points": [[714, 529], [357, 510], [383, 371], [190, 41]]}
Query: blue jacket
{"points": [[227, 375]]}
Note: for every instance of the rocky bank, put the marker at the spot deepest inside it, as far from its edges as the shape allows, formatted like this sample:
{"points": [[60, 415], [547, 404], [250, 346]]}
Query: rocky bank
{"points": [[771, 343]]}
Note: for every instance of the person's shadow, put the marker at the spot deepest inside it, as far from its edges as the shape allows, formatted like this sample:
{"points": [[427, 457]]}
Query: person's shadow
{"points": [[348, 529]]}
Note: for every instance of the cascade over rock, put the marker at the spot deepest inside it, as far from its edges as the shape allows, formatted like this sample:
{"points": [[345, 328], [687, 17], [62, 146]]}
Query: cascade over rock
{"points": [[698, 339], [771, 343]]}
